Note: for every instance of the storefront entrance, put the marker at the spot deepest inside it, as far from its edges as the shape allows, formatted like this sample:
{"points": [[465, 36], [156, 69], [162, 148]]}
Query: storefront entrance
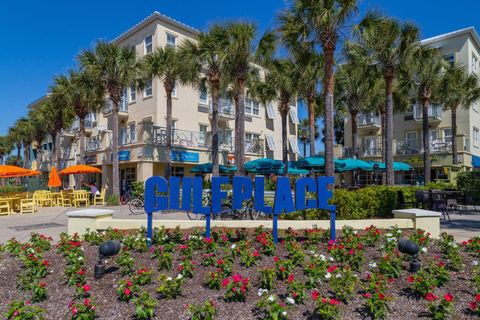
{"points": [[127, 176]]}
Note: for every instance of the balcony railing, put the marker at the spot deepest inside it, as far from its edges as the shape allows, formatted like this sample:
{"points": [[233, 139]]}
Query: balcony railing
{"points": [[89, 124], [93, 143], [434, 112], [368, 120], [226, 108]]}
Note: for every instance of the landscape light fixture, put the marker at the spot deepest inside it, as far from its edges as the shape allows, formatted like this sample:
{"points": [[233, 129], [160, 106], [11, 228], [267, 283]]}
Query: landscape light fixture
{"points": [[411, 248], [106, 249]]}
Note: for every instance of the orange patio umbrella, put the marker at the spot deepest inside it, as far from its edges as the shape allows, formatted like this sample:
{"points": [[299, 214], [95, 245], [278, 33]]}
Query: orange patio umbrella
{"points": [[54, 179], [80, 169], [7, 171]]}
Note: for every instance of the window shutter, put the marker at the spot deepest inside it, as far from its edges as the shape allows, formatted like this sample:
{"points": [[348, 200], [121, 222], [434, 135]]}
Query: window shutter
{"points": [[294, 145], [293, 116], [271, 111], [271, 142]]}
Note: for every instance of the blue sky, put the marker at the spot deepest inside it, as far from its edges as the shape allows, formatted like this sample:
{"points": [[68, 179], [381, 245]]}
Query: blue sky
{"points": [[41, 38]]}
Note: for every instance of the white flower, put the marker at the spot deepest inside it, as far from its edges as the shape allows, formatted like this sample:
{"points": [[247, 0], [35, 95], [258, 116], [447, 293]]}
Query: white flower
{"points": [[271, 298], [355, 231], [372, 264], [391, 240], [453, 244], [233, 246], [80, 258], [262, 291], [290, 300], [328, 275], [284, 313], [474, 263], [179, 276], [322, 257], [424, 249], [169, 279], [331, 259], [388, 235], [339, 275]]}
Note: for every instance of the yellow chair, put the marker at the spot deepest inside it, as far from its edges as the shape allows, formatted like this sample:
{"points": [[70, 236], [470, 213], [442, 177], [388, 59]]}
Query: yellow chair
{"points": [[65, 199], [5, 208], [100, 198], [79, 198], [27, 206]]}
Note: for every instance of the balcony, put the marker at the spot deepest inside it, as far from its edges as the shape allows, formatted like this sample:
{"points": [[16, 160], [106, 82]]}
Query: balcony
{"points": [[368, 121], [434, 113], [107, 109], [226, 109], [93, 143], [89, 122], [412, 148]]}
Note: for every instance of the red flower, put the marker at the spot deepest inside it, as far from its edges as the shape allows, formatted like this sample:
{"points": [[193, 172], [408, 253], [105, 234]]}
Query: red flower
{"points": [[464, 243], [127, 291], [180, 268], [368, 276], [410, 279], [367, 295], [243, 289], [219, 262], [332, 268], [245, 281], [225, 282], [45, 263], [430, 297], [291, 277], [81, 272], [324, 300], [237, 278], [256, 254], [74, 310], [351, 252], [473, 306], [441, 264], [448, 297], [334, 302], [86, 302], [477, 298], [381, 296], [315, 294], [275, 259], [129, 283], [86, 288], [42, 284]]}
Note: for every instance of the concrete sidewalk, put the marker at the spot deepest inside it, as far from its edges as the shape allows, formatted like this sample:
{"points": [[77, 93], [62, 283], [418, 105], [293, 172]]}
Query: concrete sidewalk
{"points": [[462, 226]]}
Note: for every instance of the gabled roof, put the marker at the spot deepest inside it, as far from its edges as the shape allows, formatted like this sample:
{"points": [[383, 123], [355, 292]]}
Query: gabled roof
{"points": [[470, 30], [154, 16]]}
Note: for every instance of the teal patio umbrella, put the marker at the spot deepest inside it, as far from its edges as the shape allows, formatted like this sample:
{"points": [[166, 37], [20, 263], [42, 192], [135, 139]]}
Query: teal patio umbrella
{"points": [[352, 164], [317, 163], [207, 168], [296, 171], [397, 166], [264, 166]]}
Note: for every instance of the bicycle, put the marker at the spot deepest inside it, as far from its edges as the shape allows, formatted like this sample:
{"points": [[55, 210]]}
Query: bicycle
{"points": [[227, 212], [126, 197], [136, 206]]}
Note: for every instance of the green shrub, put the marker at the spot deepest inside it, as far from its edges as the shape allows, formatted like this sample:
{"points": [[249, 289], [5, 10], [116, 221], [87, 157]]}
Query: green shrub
{"points": [[113, 200], [470, 183], [5, 190], [138, 189]]}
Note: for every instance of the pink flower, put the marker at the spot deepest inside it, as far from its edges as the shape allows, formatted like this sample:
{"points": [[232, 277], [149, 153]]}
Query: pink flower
{"points": [[237, 278], [127, 292], [477, 298], [448, 297], [315, 294], [225, 282], [334, 302], [291, 277], [332, 268], [276, 259], [86, 302], [367, 295], [430, 297], [86, 288], [74, 310]]}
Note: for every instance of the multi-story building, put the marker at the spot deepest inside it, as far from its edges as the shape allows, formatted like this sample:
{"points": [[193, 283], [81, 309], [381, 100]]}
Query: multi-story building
{"points": [[142, 120], [462, 47]]}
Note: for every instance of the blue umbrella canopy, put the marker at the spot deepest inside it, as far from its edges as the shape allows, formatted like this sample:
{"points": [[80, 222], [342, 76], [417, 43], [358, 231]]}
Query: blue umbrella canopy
{"points": [[397, 166], [296, 171], [317, 162], [352, 164], [207, 168], [264, 166]]}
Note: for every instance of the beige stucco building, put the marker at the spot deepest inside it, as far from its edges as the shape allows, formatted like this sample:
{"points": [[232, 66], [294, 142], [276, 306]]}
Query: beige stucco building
{"points": [[142, 120], [463, 47]]}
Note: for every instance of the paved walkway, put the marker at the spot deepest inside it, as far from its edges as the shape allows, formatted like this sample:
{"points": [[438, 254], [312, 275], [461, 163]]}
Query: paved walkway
{"points": [[52, 221]]}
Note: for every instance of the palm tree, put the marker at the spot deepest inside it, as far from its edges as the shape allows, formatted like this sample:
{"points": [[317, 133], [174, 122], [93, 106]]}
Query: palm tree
{"points": [[295, 34], [40, 125], [240, 53], [116, 68], [15, 137], [304, 135], [389, 45], [458, 88], [5, 147], [280, 84], [207, 54], [83, 95], [22, 134], [326, 19], [167, 65], [424, 78]]}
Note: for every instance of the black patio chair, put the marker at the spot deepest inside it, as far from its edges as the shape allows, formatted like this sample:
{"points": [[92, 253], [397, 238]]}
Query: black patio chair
{"points": [[402, 203], [422, 199], [439, 204]]}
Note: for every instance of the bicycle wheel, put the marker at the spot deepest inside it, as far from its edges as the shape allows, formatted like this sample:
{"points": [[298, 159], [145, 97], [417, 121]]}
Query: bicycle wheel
{"points": [[136, 206], [253, 214], [195, 216], [125, 198]]}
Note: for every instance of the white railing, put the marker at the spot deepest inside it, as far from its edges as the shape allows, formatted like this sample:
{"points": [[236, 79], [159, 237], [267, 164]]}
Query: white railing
{"points": [[368, 119], [434, 112]]}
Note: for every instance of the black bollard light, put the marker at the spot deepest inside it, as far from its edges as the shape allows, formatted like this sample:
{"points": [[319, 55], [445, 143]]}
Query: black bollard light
{"points": [[409, 247], [106, 249]]}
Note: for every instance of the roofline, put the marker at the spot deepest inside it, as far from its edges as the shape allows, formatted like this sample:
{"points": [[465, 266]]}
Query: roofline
{"points": [[469, 30], [156, 15], [37, 101]]}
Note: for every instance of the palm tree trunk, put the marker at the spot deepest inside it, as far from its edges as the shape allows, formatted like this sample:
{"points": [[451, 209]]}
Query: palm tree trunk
{"points": [[328, 88], [305, 148], [426, 142], [82, 139], [168, 144], [215, 98], [19, 147], [115, 170], [454, 136], [311, 123], [56, 144], [240, 128], [390, 180], [25, 155], [284, 140], [353, 115]]}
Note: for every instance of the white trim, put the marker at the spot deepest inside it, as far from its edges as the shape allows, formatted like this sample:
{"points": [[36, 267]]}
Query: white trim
{"points": [[130, 100], [294, 145], [175, 37], [145, 95], [271, 114], [293, 116], [271, 142], [145, 44]]}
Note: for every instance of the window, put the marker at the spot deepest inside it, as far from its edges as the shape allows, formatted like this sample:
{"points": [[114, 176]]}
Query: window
{"points": [[203, 94], [271, 111], [147, 91], [447, 134], [294, 117], [252, 107], [294, 145], [433, 135], [411, 139], [271, 142], [132, 132], [148, 44], [171, 40], [450, 58], [227, 139], [475, 106], [474, 62], [178, 172], [122, 136], [476, 137], [174, 91], [174, 124], [133, 94], [203, 134]]}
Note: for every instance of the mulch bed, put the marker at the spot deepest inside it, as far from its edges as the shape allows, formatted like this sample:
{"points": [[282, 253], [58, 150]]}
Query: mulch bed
{"points": [[405, 305]]}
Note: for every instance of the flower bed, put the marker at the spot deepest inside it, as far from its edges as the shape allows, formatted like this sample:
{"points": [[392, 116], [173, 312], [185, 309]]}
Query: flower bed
{"points": [[240, 275]]}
